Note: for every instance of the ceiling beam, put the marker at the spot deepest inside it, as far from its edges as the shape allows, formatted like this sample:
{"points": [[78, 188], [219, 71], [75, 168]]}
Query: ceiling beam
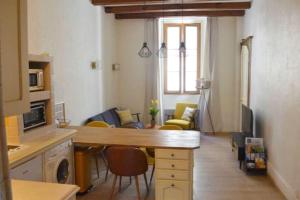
{"points": [[222, 13], [178, 7], [119, 2]]}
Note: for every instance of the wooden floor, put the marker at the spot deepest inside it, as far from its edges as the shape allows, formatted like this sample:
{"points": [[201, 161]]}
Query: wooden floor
{"points": [[216, 177]]}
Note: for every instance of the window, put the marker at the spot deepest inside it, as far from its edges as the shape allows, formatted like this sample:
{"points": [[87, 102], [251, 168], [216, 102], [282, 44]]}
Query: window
{"points": [[181, 72]]}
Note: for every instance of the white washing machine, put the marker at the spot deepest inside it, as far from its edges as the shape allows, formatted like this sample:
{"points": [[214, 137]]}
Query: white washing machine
{"points": [[59, 164]]}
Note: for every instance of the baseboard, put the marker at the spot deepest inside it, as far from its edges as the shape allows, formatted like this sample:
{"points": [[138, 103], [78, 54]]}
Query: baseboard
{"points": [[283, 186]]}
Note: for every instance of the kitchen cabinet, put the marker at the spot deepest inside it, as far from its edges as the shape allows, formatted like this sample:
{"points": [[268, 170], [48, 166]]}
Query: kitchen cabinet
{"points": [[171, 190], [14, 56], [174, 174], [31, 170]]}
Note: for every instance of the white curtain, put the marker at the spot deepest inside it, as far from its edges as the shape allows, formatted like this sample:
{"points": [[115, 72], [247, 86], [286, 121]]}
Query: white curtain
{"points": [[210, 72], [152, 71]]}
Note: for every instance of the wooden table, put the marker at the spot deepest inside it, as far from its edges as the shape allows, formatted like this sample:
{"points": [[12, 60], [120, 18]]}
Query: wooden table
{"points": [[174, 160]]}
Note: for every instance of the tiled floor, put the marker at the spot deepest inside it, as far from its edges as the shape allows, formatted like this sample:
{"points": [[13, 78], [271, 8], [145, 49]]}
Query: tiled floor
{"points": [[216, 177]]}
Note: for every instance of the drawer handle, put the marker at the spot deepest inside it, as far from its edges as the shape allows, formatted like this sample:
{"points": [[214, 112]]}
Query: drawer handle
{"points": [[173, 185], [53, 155], [172, 155], [25, 172], [173, 176], [173, 165]]}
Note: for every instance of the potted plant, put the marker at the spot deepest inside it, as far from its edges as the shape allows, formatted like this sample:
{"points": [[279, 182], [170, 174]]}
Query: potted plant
{"points": [[153, 111]]}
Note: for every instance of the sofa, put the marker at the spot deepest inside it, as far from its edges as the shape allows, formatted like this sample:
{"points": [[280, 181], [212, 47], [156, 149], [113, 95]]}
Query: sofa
{"points": [[111, 117]]}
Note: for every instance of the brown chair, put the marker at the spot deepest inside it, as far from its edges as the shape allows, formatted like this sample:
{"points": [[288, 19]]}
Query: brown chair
{"points": [[127, 161], [151, 151]]}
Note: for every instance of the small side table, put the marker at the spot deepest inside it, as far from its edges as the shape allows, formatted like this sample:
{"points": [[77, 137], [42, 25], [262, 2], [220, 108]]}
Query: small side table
{"points": [[148, 126]]}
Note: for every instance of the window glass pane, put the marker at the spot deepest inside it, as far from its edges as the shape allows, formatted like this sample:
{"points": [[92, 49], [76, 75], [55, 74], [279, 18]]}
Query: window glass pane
{"points": [[190, 81], [191, 33], [173, 38], [173, 81]]}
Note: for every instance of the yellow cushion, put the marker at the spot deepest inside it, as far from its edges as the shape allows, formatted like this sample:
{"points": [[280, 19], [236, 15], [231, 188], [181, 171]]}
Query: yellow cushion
{"points": [[179, 122], [125, 116], [98, 124], [170, 127], [180, 108]]}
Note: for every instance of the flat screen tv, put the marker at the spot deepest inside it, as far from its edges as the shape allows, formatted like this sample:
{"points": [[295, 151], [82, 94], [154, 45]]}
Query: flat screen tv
{"points": [[247, 121]]}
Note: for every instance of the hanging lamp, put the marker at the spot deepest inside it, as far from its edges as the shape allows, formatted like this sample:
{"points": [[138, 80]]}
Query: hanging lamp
{"points": [[163, 50], [182, 48], [145, 51]]}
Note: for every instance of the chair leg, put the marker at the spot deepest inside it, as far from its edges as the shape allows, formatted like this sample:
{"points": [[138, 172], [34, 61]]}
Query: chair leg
{"points": [[137, 187], [120, 183], [152, 173], [97, 167], [147, 186], [113, 187], [106, 174], [130, 180]]}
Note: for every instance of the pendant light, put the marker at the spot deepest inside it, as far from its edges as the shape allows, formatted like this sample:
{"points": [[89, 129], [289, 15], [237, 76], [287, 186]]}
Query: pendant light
{"points": [[182, 48], [145, 52], [163, 50]]}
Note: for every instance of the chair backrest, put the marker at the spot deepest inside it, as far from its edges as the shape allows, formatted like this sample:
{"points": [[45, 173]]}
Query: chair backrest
{"points": [[101, 124], [126, 161], [180, 107], [170, 127]]}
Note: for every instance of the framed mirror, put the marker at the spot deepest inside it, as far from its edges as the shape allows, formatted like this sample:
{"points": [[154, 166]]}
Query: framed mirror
{"points": [[246, 49]]}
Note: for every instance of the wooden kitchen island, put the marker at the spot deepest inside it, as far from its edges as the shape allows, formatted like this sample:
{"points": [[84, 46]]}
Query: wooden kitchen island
{"points": [[173, 155]]}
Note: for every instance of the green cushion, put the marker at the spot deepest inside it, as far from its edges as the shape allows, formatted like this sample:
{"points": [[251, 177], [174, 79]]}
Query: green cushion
{"points": [[179, 122]]}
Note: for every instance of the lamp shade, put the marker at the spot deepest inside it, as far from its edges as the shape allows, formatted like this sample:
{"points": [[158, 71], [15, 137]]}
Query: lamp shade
{"points": [[203, 84], [145, 51], [162, 53]]}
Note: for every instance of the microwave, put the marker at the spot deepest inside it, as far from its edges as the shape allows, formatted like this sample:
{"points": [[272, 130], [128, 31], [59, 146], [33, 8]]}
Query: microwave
{"points": [[36, 79], [36, 117]]}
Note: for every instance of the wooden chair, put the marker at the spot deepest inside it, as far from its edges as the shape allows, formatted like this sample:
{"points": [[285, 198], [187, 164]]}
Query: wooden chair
{"points": [[98, 150], [127, 161], [151, 151]]}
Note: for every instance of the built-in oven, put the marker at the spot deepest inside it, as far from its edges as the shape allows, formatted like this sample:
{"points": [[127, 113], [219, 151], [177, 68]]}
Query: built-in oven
{"points": [[36, 117], [36, 79]]}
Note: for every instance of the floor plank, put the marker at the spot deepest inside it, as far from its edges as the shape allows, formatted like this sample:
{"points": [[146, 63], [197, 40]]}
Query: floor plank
{"points": [[216, 177]]}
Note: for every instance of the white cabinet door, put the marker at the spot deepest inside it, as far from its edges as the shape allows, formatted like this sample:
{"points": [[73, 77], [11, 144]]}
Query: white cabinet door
{"points": [[31, 170], [172, 190], [14, 56]]}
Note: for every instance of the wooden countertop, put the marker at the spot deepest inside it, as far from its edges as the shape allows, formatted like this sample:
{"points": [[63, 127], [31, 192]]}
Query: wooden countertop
{"points": [[38, 145], [138, 137], [29, 190]]}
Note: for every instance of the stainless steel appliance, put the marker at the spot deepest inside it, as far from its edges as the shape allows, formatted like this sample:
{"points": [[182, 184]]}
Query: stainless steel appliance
{"points": [[36, 79], [36, 117]]}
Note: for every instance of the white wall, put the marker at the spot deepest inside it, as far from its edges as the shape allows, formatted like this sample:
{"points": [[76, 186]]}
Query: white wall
{"points": [[132, 73], [75, 33], [275, 86]]}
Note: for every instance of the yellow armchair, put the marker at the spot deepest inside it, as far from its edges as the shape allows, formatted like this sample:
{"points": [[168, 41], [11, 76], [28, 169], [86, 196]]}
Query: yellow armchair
{"points": [[176, 120]]}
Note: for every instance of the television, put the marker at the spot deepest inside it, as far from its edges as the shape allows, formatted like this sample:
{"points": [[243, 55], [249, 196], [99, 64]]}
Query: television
{"points": [[247, 121]]}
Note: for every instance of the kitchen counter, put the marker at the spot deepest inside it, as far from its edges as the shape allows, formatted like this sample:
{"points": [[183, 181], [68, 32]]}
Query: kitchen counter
{"points": [[37, 145], [29, 190]]}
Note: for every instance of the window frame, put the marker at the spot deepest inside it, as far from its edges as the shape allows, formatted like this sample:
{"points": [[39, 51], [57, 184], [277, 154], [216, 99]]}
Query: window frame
{"points": [[182, 59]]}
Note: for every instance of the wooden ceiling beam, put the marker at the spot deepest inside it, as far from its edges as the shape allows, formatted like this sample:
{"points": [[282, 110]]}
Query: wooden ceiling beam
{"points": [[120, 2], [178, 7], [222, 13]]}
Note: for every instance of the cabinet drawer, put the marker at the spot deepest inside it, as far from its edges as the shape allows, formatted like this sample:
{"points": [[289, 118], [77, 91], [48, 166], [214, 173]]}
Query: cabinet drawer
{"points": [[173, 154], [172, 190], [172, 164], [32, 170], [172, 174]]}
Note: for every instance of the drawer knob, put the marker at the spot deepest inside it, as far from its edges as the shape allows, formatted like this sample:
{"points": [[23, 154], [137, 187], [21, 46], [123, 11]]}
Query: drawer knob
{"points": [[172, 185], [172, 155], [173, 165], [173, 176]]}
